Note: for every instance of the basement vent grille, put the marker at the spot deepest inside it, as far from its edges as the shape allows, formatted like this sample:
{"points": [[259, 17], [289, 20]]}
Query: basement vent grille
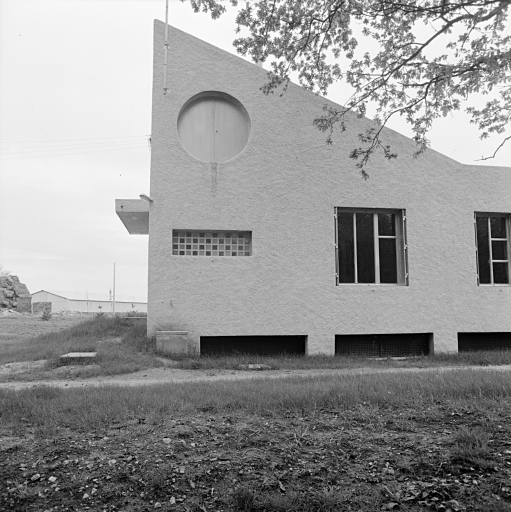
{"points": [[254, 345], [211, 243], [383, 345], [474, 341]]}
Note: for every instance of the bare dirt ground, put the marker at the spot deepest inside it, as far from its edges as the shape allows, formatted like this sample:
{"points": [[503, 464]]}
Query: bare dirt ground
{"points": [[166, 375], [449, 456]]}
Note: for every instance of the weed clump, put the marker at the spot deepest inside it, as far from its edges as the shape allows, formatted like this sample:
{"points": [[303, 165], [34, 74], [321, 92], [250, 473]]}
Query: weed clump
{"points": [[471, 448], [242, 500], [46, 315]]}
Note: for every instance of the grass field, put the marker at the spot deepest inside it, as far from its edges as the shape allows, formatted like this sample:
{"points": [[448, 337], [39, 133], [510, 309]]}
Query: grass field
{"points": [[480, 358], [409, 442], [405, 441], [20, 327], [121, 345]]}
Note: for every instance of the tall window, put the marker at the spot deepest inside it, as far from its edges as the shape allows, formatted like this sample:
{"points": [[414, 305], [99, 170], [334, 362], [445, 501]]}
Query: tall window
{"points": [[493, 250], [371, 246]]}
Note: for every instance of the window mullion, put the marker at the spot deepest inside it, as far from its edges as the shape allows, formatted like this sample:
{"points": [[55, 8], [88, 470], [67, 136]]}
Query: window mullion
{"points": [[376, 250], [355, 246], [508, 232], [336, 237], [405, 246], [491, 251]]}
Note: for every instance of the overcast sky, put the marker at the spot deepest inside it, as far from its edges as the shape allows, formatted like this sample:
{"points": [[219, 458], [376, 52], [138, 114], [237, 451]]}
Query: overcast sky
{"points": [[75, 117]]}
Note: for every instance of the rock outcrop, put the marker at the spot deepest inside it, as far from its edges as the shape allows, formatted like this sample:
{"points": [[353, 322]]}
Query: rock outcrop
{"points": [[14, 295]]}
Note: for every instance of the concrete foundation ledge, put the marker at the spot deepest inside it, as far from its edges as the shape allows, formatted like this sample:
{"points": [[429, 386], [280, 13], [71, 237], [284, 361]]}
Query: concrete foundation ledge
{"points": [[172, 342]]}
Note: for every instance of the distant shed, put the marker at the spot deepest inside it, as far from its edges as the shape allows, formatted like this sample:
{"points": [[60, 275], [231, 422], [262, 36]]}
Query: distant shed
{"points": [[42, 300]]}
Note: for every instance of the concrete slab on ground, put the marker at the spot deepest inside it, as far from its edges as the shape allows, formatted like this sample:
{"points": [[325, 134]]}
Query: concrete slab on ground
{"points": [[78, 358]]}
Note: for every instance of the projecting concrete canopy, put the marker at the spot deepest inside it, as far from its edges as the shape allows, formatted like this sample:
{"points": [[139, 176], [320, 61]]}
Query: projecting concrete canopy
{"points": [[134, 214]]}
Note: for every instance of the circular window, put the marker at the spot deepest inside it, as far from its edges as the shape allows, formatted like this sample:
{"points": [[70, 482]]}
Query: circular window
{"points": [[213, 127]]}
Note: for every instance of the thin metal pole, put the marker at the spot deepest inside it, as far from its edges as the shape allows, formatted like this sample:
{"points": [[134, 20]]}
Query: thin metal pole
{"points": [[166, 44], [114, 293]]}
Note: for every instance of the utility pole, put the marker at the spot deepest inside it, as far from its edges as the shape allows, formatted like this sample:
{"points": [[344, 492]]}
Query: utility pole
{"points": [[114, 293]]}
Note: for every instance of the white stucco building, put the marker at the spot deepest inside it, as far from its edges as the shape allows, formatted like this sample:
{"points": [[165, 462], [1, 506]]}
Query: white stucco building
{"points": [[262, 237]]}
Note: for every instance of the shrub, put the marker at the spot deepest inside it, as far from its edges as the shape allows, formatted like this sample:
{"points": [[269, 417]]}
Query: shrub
{"points": [[46, 315]]}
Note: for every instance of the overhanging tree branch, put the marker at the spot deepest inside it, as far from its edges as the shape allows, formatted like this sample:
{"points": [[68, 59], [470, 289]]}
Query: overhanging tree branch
{"points": [[421, 71]]}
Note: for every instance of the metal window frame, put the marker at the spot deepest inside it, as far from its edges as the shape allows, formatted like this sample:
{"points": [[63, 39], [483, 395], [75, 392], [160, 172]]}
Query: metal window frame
{"points": [[336, 238], [378, 237], [400, 236], [404, 238], [489, 215], [477, 249]]}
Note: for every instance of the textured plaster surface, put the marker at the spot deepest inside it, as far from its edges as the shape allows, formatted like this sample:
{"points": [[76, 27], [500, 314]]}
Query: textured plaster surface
{"points": [[284, 187]]}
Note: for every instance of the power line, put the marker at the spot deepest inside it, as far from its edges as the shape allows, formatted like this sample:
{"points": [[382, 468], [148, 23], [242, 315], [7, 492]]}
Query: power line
{"points": [[71, 154], [127, 298], [75, 145], [46, 149], [65, 140]]}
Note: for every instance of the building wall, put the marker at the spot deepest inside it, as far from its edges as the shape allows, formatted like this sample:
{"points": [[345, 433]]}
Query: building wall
{"points": [[284, 188], [84, 306]]}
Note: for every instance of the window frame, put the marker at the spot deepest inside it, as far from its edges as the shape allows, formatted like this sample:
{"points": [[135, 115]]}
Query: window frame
{"points": [[211, 243], [489, 215], [401, 245]]}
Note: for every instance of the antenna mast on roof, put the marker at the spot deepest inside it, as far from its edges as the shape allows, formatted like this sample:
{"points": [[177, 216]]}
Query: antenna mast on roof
{"points": [[166, 44]]}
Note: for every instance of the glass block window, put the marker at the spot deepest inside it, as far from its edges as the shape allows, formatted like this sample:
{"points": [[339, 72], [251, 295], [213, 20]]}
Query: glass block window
{"points": [[211, 243]]}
